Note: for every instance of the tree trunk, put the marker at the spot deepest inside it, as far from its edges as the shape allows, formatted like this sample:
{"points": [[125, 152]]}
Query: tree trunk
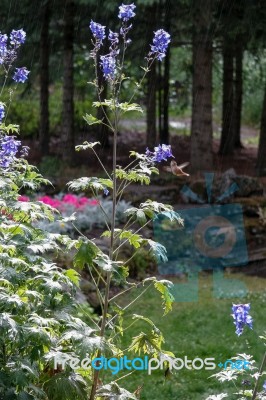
{"points": [[201, 157], [44, 136], [227, 138], [68, 138], [261, 158], [238, 93]]}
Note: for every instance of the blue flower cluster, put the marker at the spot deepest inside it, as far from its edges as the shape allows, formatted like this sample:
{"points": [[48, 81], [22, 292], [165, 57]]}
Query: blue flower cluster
{"points": [[108, 62], [126, 12], [160, 41], [8, 52], [98, 31], [2, 112], [108, 66], [241, 317], [17, 37], [21, 74], [8, 149], [160, 153]]}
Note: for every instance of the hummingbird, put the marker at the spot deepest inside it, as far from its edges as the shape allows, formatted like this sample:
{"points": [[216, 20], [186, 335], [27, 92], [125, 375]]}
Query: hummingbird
{"points": [[177, 169]]}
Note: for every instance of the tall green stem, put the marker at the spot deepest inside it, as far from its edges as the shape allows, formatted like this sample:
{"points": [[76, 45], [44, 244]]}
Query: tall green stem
{"points": [[260, 372], [111, 252]]}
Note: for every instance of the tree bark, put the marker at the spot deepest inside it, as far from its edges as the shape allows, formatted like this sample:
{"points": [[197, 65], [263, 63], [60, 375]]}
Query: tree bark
{"points": [[201, 157], [261, 158], [228, 138], [44, 136], [68, 137], [238, 93]]}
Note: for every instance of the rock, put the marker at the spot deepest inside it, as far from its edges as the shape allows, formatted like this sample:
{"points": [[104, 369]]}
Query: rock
{"points": [[248, 186]]}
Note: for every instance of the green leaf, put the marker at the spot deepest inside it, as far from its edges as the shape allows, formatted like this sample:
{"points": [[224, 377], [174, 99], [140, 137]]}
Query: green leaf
{"points": [[86, 254], [92, 120], [167, 297], [67, 386], [133, 238], [86, 146], [105, 263], [73, 276], [157, 250], [84, 183], [133, 176], [113, 391]]}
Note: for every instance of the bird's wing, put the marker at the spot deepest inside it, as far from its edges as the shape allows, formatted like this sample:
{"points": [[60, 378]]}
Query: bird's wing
{"points": [[185, 164]]}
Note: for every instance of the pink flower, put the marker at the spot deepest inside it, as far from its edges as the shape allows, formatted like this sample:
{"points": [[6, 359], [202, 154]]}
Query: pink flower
{"points": [[93, 202], [71, 199], [51, 202], [23, 198], [83, 201]]}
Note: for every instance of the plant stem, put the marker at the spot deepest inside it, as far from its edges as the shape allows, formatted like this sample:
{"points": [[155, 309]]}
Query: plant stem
{"points": [[109, 274], [260, 372]]}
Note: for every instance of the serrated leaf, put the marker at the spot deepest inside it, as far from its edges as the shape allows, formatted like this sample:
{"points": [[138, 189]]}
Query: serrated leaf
{"points": [[167, 297], [157, 250], [86, 146], [73, 276], [86, 254], [91, 120]]}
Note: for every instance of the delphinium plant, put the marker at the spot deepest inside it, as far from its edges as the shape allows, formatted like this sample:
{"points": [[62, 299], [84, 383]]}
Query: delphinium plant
{"points": [[38, 308], [244, 375], [110, 268]]}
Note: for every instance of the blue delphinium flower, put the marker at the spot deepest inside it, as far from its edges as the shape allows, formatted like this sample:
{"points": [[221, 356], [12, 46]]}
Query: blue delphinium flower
{"points": [[9, 148], [97, 30], [241, 317], [3, 47], [264, 386], [113, 37], [17, 37], [160, 42], [106, 191], [2, 112], [161, 152], [21, 74], [126, 11], [108, 66]]}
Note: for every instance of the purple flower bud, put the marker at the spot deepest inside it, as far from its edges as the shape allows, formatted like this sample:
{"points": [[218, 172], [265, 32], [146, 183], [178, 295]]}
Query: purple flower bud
{"points": [[3, 47], [126, 12], [97, 30], [108, 66], [17, 37], [2, 112], [113, 37], [8, 149], [160, 41], [241, 317], [162, 152], [21, 75]]}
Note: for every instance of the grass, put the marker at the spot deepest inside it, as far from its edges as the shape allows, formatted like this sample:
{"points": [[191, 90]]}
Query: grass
{"points": [[196, 329]]}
